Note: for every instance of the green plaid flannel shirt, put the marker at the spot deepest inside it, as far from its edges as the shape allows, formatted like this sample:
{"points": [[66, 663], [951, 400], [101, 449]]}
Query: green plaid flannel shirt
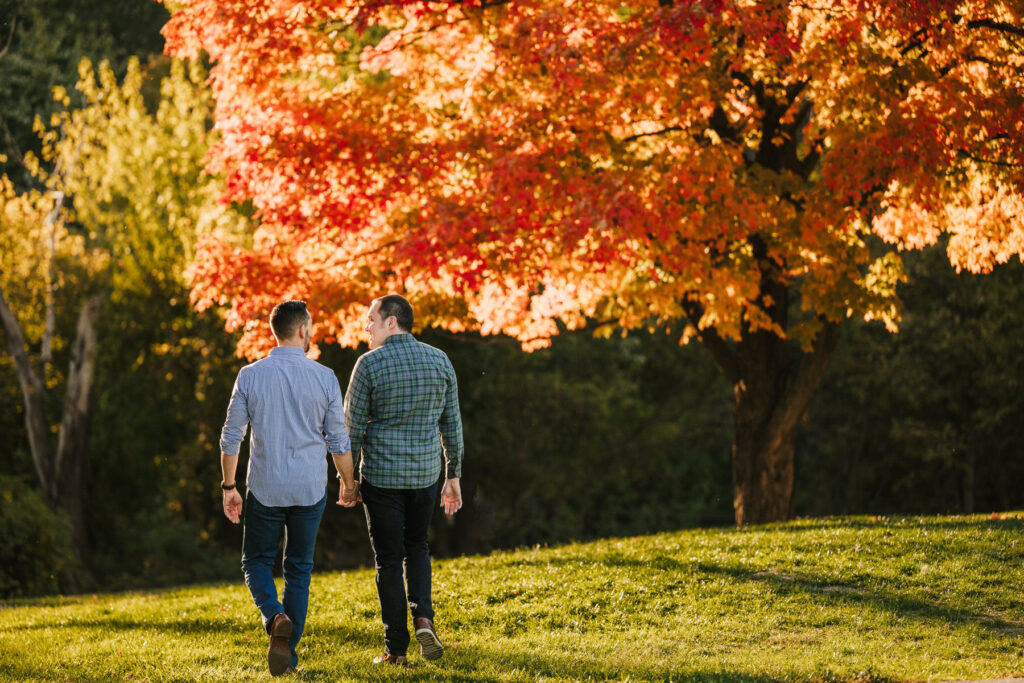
{"points": [[402, 414]]}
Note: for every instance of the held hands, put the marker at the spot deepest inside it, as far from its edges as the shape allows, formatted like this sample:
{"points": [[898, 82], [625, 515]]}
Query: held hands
{"points": [[349, 497], [232, 505], [451, 496]]}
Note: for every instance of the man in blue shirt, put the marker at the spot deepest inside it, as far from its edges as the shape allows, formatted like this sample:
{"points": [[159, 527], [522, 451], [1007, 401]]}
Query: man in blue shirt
{"points": [[294, 408]]}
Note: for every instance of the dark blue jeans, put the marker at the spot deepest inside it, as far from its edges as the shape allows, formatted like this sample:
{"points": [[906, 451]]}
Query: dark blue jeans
{"points": [[263, 529], [398, 520]]}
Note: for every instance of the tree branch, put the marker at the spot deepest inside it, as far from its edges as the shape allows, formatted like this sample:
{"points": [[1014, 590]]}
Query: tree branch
{"points": [[330, 264], [32, 390], [1001, 26], [721, 351], [968, 59], [1004, 164], [719, 122], [809, 373], [810, 161], [633, 138], [10, 38], [915, 41]]}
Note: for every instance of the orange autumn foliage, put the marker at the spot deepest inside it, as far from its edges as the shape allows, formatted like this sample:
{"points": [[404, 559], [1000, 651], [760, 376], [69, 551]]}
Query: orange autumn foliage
{"points": [[513, 165]]}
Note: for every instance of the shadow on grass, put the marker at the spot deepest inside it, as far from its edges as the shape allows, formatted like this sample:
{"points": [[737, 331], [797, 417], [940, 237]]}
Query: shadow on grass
{"points": [[119, 623], [245, 628], [469, 666], [462, 666], [474, 667], [785, 582], [244, 634], [1013, 522], [610, 559], [900, 605]]}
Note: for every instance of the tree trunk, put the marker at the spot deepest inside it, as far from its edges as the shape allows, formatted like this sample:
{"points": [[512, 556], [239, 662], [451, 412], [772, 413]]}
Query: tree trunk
{"points": [[762, 457], [33, 396], [60, 471], [772, 395], [772, 392], [71, 441]]}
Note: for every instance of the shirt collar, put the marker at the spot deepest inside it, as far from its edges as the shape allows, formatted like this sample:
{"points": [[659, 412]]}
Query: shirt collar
{"points": [[400, 338], [287, 351]]}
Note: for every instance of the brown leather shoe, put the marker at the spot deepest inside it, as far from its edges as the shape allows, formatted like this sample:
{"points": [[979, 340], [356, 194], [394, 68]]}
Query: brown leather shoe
{"points": [[393, 660], [279, 656], [430, 645]]}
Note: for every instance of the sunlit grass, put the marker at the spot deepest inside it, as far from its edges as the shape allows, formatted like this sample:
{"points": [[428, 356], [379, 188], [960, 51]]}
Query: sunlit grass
{"points": [[919, 599]]}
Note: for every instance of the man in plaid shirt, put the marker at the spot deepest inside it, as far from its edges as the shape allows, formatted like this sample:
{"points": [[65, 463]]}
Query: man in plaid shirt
{"points": [[402, 415]]}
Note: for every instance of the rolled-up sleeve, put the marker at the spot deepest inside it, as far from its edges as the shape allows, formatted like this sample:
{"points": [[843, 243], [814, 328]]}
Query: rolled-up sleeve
{"points": [[450, 424], [237, 418], [334, 420]]}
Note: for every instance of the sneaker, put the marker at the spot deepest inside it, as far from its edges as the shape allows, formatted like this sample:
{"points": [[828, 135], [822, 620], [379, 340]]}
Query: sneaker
{"points": [[430, 645], [279, 656], [393, 660]]}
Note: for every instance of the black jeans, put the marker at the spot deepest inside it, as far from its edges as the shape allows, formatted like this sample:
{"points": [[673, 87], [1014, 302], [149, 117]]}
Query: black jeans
{"points": [[398, 520]]}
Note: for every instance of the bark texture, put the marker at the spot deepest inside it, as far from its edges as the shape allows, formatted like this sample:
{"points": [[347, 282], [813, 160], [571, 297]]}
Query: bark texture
{"points": [[59, 468]]}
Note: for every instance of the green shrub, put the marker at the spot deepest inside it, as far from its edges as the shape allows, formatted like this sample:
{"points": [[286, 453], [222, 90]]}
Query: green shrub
{"points": [[34, 541], [159, 548]]}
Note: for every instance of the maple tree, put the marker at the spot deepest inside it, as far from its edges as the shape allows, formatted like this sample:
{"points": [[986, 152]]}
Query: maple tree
{"points": [[744, 171]]}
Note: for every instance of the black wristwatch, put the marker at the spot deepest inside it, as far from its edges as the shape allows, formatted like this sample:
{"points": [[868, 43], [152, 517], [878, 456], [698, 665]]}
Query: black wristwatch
{"points": [[228, 487]]}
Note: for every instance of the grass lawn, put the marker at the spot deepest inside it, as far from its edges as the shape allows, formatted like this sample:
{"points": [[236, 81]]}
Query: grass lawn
{"points": [[851, 599]]}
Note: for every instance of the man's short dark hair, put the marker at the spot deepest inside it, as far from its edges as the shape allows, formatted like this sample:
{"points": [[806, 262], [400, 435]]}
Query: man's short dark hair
{"points": [[287, 317], [395, 305]]}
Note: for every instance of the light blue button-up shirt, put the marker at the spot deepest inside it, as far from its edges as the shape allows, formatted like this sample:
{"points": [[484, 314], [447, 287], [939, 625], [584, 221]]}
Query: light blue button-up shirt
{"points": [[295, 409]]}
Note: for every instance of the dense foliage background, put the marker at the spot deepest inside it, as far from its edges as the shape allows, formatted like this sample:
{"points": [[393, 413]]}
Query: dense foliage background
{"points": [[589, 438]]}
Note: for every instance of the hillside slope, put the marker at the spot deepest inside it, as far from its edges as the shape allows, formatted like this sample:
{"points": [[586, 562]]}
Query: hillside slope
{"points": [[865, 599]]}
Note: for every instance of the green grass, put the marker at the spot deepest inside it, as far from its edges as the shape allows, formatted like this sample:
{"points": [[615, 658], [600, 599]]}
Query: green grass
{"points": [[852, 599]]}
